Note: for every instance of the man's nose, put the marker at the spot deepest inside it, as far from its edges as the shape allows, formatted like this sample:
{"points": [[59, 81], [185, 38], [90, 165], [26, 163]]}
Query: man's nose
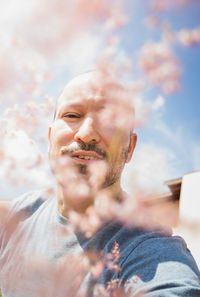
{"points": [[87, 132]]}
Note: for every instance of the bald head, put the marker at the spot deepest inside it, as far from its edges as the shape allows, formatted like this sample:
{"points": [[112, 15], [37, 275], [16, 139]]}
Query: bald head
{"points": [[96, 84]]}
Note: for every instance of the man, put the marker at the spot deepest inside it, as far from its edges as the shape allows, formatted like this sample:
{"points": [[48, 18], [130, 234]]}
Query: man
{"points": [[46, 248]]}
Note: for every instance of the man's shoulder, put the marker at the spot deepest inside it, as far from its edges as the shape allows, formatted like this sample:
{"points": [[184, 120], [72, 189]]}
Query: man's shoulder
{"points": [[153, 261], [10, 209], [20, 209], [159, 245], [130, 238], [26, 204], [28, 200], [154, 258], [4, 209]]}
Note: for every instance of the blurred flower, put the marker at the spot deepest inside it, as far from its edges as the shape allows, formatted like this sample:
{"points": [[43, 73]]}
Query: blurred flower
{"points": [[116, 18], [152, 21], [161, 5], [113, 258], [189, 37], [160, 66]]}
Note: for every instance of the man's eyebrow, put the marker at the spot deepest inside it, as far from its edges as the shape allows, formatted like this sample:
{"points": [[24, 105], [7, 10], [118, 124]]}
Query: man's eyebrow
{"points": [[70, 104], [74, 104], [80, 104]]}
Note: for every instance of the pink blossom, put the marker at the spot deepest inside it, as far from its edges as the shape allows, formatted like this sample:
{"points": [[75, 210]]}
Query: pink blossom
{"points": [[189, 37], [160, 66], [117, 18], [161, 5]]}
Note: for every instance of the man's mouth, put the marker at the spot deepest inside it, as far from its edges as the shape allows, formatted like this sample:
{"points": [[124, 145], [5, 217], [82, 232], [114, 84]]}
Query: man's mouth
{"points": [[82, 156], [86, 157]]}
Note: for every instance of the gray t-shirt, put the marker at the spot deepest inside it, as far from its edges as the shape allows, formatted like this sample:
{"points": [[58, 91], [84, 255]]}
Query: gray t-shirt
{"points": [[39, 256]]}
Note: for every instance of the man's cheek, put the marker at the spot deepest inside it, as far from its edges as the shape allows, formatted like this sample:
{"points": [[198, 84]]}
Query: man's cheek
{"points": [[62, 136], [116, 117], [118, 141], [114, 133]]}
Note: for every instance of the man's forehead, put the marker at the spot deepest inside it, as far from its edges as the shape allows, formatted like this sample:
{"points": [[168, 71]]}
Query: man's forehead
{"points": [[93, 86], [94, 78]]}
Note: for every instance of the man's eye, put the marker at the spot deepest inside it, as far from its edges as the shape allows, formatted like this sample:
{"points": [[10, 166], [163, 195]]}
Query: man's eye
{"points": [[72, 116]]}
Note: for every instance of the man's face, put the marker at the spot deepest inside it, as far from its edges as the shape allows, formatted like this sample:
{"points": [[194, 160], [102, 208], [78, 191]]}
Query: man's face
{"points": [[92, 125]]}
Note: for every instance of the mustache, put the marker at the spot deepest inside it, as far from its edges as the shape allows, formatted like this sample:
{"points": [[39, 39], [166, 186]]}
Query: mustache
{"points": [[70, 149]]}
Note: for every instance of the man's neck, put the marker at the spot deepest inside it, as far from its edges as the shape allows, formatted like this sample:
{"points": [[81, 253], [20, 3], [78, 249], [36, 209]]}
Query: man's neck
{"points": [[64, 208]]}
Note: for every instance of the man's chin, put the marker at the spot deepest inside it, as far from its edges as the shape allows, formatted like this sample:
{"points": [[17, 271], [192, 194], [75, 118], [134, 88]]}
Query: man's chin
{"points": [[82, 169]]}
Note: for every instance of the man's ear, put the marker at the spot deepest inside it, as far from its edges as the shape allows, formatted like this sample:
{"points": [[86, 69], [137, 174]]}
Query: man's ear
{"points": [[49, 133], [133, 140]]}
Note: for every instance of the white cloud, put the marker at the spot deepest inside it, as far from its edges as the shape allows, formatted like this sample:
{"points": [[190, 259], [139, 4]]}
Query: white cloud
{"points": [[158, 103], [148, 170], [23, 165], [81, 52]]}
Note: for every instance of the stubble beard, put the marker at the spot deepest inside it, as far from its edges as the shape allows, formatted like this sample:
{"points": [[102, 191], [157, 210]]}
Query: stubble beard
{"points": [[113, 174]]}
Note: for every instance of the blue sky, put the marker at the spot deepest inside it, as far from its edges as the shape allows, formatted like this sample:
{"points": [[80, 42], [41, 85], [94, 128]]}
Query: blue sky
{"points": [[179, 117]]}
